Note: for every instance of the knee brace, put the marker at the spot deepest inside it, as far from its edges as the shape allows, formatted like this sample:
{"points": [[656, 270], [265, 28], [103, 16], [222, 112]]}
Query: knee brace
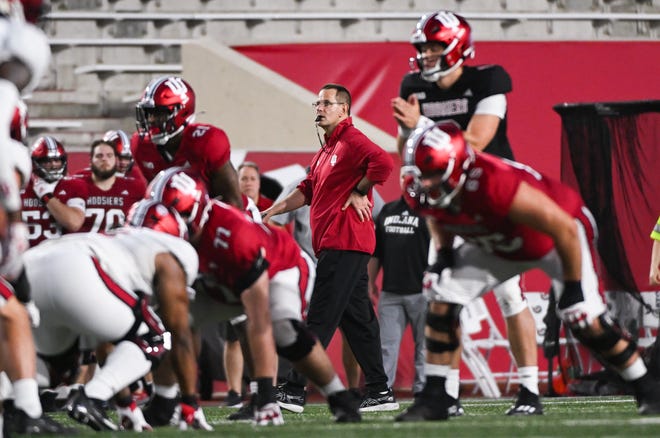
{"points": [[604, 342], [445, 324], [293, 339], [510, 298]]}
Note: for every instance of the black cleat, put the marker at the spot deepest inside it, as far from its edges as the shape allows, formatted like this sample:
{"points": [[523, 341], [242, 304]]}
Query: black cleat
{"points": [[16, 421], [89, 411], [345, 407], [527, 403], [289, 399], [246, 412], [233, 399], [160, 410], [425, 409], [455, 408]]}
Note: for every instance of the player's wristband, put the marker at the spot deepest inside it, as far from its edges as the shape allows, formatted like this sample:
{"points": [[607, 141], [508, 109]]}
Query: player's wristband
{"points": [[357, 190], [47, 197]]}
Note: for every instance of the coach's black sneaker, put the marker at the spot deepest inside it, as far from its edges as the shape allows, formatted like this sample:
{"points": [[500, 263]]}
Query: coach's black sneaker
{"points": [[379, 401], [233, 399], [290, 398], [527, 403], [16, 421], [246, 412], [455, 408], [160, 410], [88, 411], [345, 407], [425, 408]]}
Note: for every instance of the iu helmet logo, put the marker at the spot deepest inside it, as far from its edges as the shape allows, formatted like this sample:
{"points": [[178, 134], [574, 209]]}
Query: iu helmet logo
{"points": [[451, 33], [180, 191], [165, 109], [149, 213], [179, 88], [437, 152]]}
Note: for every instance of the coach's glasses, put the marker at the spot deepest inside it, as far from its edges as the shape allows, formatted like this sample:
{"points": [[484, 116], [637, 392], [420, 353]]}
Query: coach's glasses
{"points": [[325, 103]]}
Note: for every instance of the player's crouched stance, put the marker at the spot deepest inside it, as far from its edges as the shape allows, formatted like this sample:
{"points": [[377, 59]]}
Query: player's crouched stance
{"points": [[258, 270], [513, 219], [22, 413], [115, 276]]}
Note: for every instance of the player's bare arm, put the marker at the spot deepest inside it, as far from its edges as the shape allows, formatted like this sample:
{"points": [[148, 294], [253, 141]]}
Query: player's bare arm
{"points": [[173, 310], [255, 301], [536, 210], [70, 218], [439, 237], [407, 114], [224, 183], [481, 130]]}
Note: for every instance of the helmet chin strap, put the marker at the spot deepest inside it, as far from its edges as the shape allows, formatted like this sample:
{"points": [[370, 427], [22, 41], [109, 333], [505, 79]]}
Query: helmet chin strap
{"points": [[436, 73]]}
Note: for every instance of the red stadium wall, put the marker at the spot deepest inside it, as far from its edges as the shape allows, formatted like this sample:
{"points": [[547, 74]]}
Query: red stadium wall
{"points": [[543, 73]]}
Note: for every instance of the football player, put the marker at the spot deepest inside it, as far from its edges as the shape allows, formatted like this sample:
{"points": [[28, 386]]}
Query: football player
{"points": [[49, 165], [23, 413], [443, 87], [167, 136], [109, 196], [512, 219], [24, 58], [125, 161], [116, 276], [257, 269]]}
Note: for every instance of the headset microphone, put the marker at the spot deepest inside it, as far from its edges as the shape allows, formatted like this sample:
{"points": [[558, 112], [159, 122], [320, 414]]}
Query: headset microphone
{"points": [[316, 125]]}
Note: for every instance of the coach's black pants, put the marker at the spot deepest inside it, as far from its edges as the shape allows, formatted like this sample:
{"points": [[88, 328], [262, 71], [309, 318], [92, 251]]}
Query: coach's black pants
{"points": [[341, 299]]}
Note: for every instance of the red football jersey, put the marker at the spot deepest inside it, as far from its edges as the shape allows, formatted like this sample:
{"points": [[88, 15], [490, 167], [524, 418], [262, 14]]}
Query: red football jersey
{"points": [[203, 147], [485, 202], [107, 209], [41, 225], [233, 248]]}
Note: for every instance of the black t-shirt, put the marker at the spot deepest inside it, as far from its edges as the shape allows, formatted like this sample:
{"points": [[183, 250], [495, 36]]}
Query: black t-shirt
{"points": [[460, 101], [402, 246]]}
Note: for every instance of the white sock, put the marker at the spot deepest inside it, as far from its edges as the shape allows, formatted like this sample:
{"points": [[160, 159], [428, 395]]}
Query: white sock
{"points": [[453, 382], [334, 386], [6, 388], [26, 397], [529, 378], [123, 366], [170, 391], [636, 370], [436, 370]]}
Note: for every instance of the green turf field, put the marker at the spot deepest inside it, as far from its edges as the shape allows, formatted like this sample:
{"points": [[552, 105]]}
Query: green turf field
{"points": [[564, 417]]}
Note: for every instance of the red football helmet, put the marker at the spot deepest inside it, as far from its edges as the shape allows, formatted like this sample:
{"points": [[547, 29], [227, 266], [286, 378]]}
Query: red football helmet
{"points": [[150, 213], [450, 30], [18, 127], [440, 154], [122, 144], [45, 150], [166, 107], [182, 191]]}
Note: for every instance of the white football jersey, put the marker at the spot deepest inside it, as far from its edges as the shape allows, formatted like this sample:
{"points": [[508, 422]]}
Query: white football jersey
{"points": [[127, 255]]}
